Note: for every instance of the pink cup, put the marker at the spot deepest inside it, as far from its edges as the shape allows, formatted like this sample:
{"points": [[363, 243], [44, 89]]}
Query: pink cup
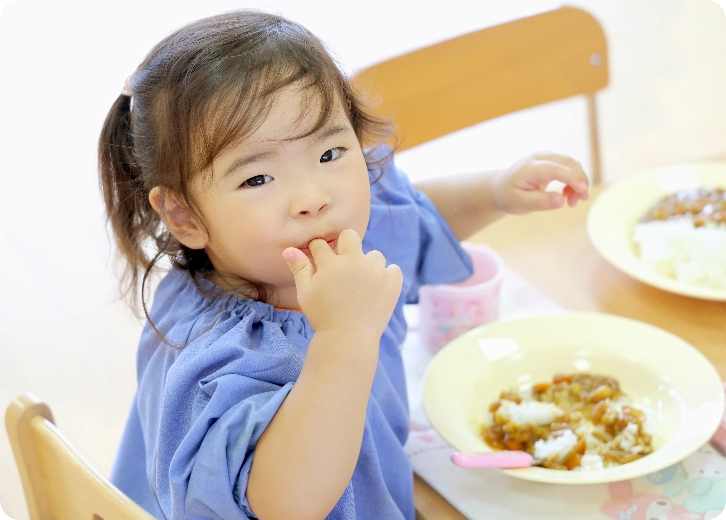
{"points": [[447, 311]]}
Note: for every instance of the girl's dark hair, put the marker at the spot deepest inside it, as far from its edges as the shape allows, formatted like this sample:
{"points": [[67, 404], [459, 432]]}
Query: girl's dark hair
{"points": [[201, 89]]}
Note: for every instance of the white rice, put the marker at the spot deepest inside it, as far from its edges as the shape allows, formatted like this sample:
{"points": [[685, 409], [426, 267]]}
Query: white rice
{"points": [[679, 250], [584, 431], [650, 424], [561, 444], [590, 461], [528, 412], [627, 437]]}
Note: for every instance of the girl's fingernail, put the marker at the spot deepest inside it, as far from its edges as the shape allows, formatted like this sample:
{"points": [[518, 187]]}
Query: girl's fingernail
{"points": [[288, 255]]}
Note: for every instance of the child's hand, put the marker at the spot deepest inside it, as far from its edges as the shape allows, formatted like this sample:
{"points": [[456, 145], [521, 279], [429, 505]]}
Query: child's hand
{"points": [[346, 291], [521, 187]]}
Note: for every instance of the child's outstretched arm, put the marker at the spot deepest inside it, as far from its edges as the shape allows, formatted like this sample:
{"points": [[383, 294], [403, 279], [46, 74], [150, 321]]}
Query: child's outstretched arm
{"points": [[469, 202], [307, 455]]}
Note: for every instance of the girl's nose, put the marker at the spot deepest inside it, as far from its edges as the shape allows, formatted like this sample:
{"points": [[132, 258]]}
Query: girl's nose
{"points": [[311, 201]]}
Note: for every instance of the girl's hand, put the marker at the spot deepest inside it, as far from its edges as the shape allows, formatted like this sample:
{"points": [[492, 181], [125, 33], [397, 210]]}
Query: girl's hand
{"points": [[348, 291], [521, 187]]}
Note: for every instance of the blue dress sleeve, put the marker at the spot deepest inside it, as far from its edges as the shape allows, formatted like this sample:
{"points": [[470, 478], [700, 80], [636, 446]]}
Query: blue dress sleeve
{"points": [[408, 229]]}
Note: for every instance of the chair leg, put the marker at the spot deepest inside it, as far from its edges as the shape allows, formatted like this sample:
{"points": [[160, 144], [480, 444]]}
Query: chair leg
{"points": [[594, 139]]}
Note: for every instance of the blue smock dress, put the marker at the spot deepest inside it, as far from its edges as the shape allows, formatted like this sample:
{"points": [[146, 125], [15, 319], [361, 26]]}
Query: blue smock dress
{"points": [[199, 411]]}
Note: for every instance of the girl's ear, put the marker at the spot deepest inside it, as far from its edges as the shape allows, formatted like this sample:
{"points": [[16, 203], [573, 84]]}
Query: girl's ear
{"points": [[180, 221]]}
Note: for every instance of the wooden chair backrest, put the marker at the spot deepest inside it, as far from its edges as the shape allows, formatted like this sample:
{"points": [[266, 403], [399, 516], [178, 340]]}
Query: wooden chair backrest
{"points": [[457, 83], [59, 484]]}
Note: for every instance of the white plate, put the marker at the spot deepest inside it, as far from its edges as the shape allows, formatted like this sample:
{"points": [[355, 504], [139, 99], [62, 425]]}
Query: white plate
{"points": [[655, 369], [616, 210]]}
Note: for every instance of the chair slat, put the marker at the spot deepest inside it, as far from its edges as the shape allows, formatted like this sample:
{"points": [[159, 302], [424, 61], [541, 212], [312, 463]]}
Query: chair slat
{"points": [[59, 483]]}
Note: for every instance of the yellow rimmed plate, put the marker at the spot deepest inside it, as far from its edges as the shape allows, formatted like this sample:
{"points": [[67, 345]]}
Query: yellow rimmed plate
{"points": [[655, 369], [613, 215]]}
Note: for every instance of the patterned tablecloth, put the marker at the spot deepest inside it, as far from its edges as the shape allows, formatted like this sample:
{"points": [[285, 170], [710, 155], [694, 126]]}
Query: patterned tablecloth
{"points": [[694, 489]]}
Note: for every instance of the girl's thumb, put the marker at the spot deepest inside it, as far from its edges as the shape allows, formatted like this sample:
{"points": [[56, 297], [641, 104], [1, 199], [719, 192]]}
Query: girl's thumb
{"points": [[300, 266]]}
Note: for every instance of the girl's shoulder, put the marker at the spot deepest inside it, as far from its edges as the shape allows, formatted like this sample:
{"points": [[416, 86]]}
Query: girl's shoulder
{"points": [[246, 346], [184, 310], [389, 184]]}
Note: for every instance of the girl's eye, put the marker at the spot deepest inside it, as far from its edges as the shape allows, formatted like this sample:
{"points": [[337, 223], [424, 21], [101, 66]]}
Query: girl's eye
{"points": [[332, 154], [257, 180]]}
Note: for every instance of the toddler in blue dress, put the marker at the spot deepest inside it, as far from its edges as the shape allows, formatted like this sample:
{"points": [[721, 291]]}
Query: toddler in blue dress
{"points": [[270, 383]]}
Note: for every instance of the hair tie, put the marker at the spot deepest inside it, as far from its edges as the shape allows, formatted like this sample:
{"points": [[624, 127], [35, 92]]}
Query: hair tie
{"points": [[126, 90]]}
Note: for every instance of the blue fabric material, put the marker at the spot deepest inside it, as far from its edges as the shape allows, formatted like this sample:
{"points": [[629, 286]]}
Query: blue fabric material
{"points": [[199, 411]]}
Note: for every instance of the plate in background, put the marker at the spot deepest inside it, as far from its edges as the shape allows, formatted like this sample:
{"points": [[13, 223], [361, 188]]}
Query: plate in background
{"points": [[614, 213]]}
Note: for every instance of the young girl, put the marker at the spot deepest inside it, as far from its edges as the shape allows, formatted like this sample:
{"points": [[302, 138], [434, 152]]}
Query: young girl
{"points": [[270, 383]]}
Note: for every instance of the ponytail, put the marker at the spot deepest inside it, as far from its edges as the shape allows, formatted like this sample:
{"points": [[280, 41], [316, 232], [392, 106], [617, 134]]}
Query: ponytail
{"points": [[126, 197]]}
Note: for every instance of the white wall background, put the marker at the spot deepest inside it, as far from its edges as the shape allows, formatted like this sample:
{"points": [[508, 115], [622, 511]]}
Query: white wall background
{"points": [[64, 335]]}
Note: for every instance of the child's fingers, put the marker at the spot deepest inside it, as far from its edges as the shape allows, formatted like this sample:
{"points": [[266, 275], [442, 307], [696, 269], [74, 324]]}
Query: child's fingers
{"points": [[321, 251], [300, 265], [377, 256], [575, 179], [541, 200], [561, 181], [562, 169], [565, 160], [573, 196], [395, 270], [349, 242]]}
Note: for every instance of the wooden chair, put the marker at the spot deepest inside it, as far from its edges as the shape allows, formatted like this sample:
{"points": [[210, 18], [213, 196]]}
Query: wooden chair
{"points": [[454, 84], [58, 482]]}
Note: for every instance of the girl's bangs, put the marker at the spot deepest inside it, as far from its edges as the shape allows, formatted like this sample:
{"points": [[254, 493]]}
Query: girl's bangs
{"points": [[238, 111]]}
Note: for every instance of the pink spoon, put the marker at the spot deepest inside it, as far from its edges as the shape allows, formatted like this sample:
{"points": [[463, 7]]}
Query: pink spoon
{"points": [[493, 459]]}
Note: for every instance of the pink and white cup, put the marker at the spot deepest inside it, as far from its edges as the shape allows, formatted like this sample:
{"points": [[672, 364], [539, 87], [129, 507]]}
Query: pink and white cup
{"points": [[447, 311]]}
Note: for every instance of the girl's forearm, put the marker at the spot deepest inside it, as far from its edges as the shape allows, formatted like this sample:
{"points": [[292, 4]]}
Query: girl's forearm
{"points": [[308, 453], [464, 200]]}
